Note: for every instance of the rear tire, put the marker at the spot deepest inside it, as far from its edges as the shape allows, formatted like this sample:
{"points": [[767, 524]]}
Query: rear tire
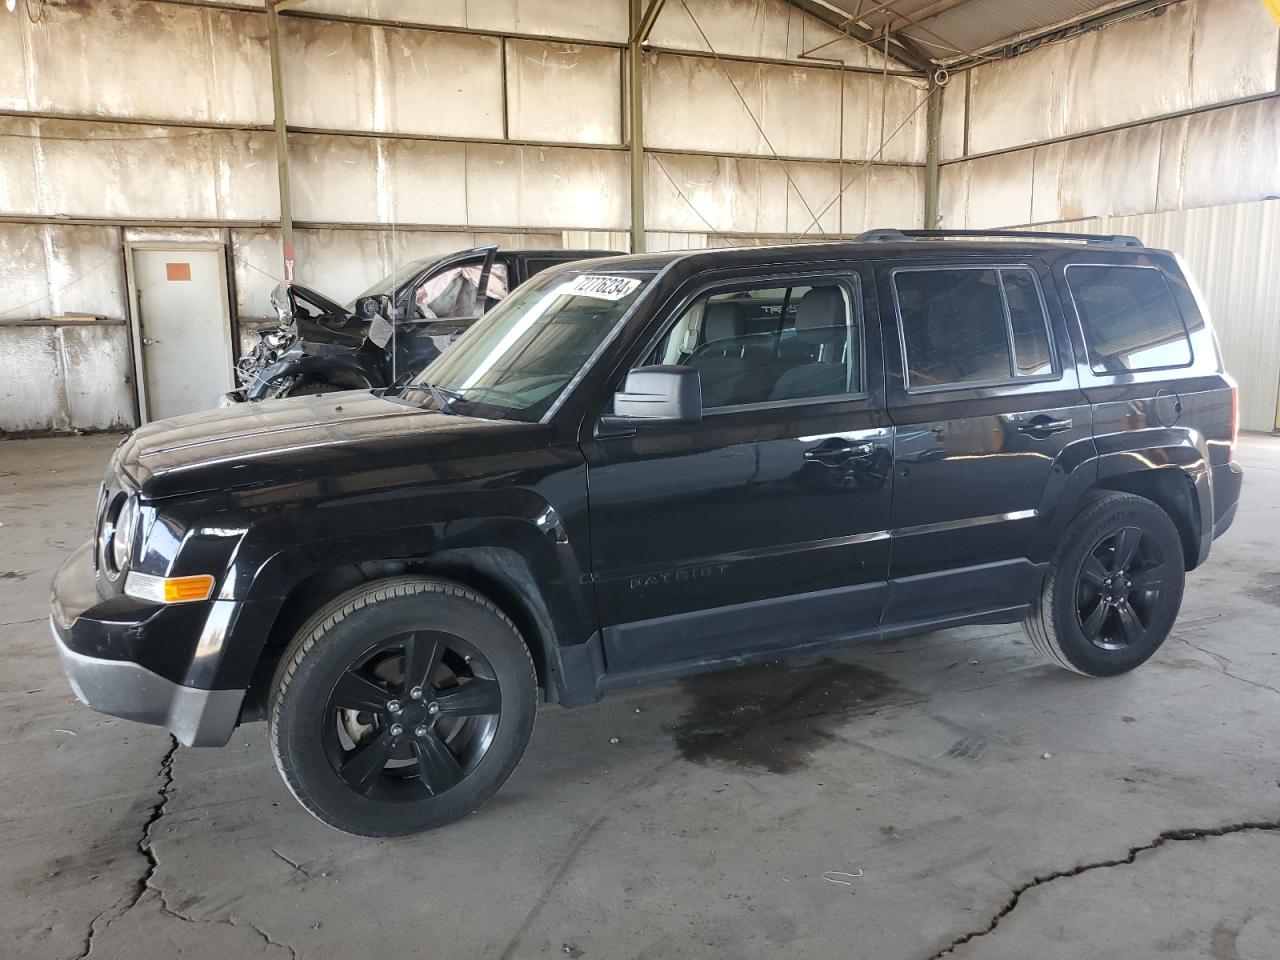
{"points": [[1113, 589], [402, 705]]}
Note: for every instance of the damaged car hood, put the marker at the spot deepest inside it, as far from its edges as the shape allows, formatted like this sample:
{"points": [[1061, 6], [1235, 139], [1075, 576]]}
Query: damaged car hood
{"points": [[318, 299]]}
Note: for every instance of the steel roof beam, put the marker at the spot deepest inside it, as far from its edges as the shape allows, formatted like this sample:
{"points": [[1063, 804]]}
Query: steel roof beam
{"points": [[901, 21], [905, 53]]}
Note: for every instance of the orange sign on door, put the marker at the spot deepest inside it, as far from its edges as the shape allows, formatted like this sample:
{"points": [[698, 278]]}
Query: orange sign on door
{"points": [[177, 271]]}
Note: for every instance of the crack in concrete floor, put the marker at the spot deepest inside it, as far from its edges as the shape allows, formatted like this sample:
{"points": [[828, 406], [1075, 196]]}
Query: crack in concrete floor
{"points": [[1168, 836], [149, 900], [123, 906], [1223, 663], [145, 884]]}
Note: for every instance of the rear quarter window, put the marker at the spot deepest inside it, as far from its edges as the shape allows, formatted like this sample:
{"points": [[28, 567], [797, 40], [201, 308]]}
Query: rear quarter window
{"points": [[539, 264], [1130, 319]]}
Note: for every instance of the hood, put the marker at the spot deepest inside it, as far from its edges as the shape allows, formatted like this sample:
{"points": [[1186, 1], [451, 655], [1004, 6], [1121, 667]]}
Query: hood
{"points": [[335, 324], [304, 439], [317, 299]]}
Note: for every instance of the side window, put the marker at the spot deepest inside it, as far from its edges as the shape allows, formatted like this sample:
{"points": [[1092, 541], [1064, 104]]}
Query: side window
{"points": [[767, 344], [1027, 321], [537, 265], [1130, 319], [967, 326], [453, 294]]}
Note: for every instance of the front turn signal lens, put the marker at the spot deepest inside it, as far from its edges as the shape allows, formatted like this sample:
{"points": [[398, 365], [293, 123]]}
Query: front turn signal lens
{"points": [[144, 586]]}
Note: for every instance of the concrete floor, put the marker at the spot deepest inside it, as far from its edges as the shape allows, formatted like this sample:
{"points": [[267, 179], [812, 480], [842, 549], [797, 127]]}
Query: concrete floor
{"points": [[942, 792]]}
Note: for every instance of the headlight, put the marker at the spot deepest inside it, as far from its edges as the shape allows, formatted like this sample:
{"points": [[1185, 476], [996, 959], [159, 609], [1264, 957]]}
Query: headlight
{"points": [[280, 303], [118, 530]]}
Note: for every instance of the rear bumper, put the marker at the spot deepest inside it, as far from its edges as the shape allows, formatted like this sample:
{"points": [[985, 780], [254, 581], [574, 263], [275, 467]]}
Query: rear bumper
{"points": [[198, 718], [1227, 480]]}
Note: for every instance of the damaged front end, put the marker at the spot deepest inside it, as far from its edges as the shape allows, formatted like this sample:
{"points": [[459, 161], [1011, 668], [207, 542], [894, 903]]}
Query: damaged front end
{"points": [[312, 333], [267, 353], [382, 339]]}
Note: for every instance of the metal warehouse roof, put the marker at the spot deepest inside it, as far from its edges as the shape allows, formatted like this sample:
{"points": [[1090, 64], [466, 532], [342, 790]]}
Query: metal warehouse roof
{"points": [[949, 32]]}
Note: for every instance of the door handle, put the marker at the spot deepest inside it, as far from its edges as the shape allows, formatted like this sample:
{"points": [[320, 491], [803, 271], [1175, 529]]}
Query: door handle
{"points": [[847, 452], [1040, 427], [148, 341]]}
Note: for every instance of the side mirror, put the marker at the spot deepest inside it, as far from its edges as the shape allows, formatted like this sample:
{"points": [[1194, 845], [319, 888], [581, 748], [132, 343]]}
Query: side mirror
{"points": [[369, 307], [657, 395]]}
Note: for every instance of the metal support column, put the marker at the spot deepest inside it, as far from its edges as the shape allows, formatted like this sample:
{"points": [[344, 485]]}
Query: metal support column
{"points": [[642, 19], [932, 149], [282, 135]]}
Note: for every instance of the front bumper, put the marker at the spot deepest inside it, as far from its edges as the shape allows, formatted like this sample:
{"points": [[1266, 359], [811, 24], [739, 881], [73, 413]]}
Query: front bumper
{"points": [[198, 718], [101, 641]]}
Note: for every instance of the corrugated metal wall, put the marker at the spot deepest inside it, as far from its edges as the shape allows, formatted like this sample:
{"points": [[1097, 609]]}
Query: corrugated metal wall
{"points": [[1166, 126], [476, 121], [463, 121], [1234, 252], [1171, 110]]}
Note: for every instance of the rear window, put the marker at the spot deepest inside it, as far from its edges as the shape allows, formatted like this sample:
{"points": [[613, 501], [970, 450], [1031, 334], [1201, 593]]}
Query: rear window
{"points": [[1130, 319], [963, 326]]}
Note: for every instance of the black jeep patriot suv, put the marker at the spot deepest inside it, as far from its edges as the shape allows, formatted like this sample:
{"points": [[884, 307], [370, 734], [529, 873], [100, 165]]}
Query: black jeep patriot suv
{"points": [[644, 466]]}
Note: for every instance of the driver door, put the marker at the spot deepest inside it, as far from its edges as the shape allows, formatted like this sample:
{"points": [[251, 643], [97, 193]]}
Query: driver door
{"points": [[765, 525]]}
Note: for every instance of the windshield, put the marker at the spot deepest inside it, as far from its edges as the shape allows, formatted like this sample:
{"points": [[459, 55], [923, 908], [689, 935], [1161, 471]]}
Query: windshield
{"points": [[516, 361], [396, 278]]}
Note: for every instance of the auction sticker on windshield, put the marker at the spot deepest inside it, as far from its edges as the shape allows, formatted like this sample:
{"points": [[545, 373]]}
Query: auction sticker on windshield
{"points": [[599, 287]]}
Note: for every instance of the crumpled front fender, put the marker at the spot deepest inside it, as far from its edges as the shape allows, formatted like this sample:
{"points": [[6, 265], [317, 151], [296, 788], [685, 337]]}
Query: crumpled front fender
{"points": [[303, 360]]}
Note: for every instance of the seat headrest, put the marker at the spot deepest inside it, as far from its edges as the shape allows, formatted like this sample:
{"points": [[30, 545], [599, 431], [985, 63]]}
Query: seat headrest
{"points": [[724, 320], [821, 307]]}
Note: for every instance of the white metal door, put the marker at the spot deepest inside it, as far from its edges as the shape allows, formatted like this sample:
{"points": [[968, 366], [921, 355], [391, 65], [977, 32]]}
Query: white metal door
{"points": [[181, 328]]}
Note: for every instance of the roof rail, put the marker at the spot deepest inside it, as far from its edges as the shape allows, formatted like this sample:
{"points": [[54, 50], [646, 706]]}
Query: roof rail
{"points": [[899, 236]]}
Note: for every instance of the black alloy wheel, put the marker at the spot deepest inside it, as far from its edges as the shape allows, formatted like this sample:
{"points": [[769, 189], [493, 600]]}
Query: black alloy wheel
{"points": [[1113, 588], [411, 716], [1120, 582], [402, 705]]}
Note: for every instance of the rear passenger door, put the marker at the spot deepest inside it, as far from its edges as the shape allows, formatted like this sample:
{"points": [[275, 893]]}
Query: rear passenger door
{"points": [[989, 419]]}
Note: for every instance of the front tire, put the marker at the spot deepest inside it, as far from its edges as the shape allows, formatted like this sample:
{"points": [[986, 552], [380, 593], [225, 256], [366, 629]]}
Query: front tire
{"points": [[401, 706], [310, 388], [1113, 588]]}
